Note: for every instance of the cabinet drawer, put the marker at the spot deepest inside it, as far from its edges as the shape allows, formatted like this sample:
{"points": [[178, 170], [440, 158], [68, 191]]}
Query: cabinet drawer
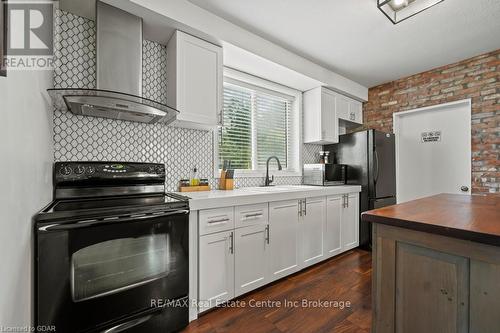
{"points": [[216, 220], [251, 215]]}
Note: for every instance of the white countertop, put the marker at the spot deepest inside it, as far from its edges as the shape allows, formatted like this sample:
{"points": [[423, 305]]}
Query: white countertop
{"points": [[253, 195]]}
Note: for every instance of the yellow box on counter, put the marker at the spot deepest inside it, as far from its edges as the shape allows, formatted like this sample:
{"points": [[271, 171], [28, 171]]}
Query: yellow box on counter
{"points": [[194, 188]]}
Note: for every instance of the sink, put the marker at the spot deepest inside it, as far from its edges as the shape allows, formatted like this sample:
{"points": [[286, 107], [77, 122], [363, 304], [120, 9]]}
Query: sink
{"points": [[271, 189]]}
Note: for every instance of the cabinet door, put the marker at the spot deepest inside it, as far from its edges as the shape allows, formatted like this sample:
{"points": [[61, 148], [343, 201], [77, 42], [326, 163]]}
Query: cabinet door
{"points": [[312, 225], [431, 291], [216, 268], [250, 258], [342, 107], [350, 222], [333, 245], [484, 296], [199, 80], [329, 123], [355, 112], [283, 232]]}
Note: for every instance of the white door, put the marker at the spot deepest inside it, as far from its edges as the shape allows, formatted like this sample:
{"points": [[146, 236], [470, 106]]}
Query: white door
{"points": [[433, 150], [283, 233], [216, 271], [250, 258], [311, 231], [350, 221], [332, 241]]}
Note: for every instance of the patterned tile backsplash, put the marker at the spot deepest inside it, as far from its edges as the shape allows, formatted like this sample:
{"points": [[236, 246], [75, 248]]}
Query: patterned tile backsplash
{"points": [[97, 139]]}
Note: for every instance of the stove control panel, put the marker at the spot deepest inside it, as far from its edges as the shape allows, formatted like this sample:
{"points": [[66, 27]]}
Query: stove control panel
{"points": [[68, 172]]}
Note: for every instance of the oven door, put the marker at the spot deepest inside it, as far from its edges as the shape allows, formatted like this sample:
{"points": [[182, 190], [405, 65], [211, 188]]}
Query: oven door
{"points": [[93, 273]]}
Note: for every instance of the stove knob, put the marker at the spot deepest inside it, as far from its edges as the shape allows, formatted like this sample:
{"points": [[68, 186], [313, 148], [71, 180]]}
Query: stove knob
{"points": [[65, 171], [90, 170], [79, 170]]}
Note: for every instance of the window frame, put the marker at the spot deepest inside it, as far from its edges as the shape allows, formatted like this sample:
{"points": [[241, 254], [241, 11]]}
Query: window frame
{"points": [[294, 167]]}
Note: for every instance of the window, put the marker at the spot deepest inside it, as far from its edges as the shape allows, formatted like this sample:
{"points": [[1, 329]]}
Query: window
{"points": [[258, 123]]}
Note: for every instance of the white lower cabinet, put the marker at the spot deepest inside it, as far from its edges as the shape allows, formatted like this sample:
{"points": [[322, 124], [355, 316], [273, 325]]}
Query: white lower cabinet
{"points": [[250, 247], [283, 238], [333, 245], [270, 241], [312, 225], [350, 221], [342, 223], [216, 269]]}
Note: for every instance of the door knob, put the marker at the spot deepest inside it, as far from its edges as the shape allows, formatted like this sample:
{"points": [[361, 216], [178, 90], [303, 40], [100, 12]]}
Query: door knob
{"points": [[464, 189]]}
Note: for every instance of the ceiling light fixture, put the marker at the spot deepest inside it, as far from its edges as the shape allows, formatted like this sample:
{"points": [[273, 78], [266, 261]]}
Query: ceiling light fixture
{"points": [[400, 10]]}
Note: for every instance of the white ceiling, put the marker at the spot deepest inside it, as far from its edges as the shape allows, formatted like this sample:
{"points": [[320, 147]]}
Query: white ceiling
{"points": [[355, 39]]}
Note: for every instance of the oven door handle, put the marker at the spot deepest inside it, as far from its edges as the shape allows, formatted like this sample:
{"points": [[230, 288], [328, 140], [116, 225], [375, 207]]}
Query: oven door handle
{"points": [[112, 219], [129, 324]]}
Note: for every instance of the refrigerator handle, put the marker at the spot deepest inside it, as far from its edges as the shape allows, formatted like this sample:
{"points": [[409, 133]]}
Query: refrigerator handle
{"points": [[375, 178]]}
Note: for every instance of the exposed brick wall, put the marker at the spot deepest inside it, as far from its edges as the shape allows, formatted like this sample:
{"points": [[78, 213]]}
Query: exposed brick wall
{"points": [[477, 78]]}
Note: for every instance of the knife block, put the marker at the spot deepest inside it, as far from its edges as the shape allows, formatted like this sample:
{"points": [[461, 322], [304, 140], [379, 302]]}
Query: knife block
{"points": [[225, 183]]}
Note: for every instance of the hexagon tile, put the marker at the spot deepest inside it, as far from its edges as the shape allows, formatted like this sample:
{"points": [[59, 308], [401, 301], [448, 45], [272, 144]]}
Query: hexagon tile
{"points": [[98, 139]]}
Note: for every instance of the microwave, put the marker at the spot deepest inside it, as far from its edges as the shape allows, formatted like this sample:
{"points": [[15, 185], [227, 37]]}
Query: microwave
{"points": [[325, 174]]}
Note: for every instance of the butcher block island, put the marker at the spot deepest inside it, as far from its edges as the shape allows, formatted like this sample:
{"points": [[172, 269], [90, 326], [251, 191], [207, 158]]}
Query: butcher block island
{"points": [[436, 265]]}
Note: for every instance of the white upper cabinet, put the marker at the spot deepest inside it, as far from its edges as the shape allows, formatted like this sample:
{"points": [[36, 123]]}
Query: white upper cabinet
{"points": [[324, 110], [320, 118], [194, 80], [355, 112], [342, 106], [349, 111]]}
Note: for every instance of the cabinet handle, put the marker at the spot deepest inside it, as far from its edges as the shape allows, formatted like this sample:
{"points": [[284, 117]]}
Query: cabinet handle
{"points": [[300, 207], [218, 221], [231, 242], [253, 216], [305, 207], [352, 116], [267, 234], [347, 200], [343, 201]]}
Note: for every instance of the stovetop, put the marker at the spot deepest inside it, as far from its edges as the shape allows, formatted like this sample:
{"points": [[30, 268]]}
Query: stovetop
{"points": [[70, 209], [113, 202], [100, 190]]}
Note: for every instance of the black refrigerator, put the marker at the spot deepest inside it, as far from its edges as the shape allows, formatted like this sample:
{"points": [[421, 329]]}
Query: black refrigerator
{"points": [[371, 159]]}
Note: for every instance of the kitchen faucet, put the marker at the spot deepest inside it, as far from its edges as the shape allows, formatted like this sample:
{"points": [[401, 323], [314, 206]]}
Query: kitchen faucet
{"points": [[269, 181]]}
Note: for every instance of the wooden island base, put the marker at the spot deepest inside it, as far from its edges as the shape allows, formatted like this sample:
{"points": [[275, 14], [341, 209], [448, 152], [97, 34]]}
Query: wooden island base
{"points": [[426, 282]]}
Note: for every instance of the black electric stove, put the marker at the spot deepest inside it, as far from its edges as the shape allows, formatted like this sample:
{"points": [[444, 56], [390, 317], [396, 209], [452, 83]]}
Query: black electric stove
{"points": [[109, 246]]}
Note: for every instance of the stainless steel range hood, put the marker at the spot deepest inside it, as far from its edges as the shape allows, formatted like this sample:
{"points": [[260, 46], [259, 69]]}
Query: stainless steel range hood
{"points": [[119, 74]]}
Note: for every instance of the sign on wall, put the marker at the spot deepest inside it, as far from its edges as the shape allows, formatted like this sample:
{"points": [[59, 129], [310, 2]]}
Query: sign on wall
{"points": [[432, 136]]}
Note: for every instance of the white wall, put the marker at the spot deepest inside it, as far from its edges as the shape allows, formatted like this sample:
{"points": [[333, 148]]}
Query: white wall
{"points": [[25, 185], [193, 19]]}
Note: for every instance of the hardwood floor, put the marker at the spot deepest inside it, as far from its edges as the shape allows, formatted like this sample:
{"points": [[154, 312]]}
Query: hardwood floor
{"points": [[344, 278]]}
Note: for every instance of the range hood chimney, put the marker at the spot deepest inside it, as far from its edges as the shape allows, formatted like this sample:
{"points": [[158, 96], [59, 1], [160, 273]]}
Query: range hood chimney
{"points": [[119, 74]]}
